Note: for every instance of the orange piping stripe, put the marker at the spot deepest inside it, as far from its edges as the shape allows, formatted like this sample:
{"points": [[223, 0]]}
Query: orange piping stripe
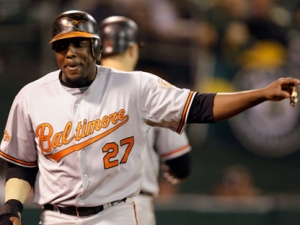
{"points": [[17, 160], [175, 151], [184, 112], [135, 213]]}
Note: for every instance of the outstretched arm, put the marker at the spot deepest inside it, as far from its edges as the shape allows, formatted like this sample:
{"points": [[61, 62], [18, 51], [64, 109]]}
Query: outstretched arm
{"points": [[227, 105]]}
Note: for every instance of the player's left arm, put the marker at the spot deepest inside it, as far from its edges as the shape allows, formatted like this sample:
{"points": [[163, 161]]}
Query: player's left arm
{"points": [[213, 107], [227, 105]]}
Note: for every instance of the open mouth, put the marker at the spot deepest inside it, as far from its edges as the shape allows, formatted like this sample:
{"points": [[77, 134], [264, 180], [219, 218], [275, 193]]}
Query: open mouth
{"points": [[72, 66]]}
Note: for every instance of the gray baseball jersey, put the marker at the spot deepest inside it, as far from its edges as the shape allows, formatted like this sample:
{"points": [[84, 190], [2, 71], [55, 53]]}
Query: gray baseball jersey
{"points": [[162, 144], [89, 149]]}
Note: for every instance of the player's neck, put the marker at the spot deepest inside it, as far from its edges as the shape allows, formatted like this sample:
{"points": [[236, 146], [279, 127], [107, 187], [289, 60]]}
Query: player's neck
{"points": [[117, 64]]}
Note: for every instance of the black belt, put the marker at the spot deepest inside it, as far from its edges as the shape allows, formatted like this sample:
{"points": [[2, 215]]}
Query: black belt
{"points": [[146, 193], [80, 211]]}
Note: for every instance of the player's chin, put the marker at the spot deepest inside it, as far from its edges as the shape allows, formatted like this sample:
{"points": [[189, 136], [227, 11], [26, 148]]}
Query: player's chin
{"points": [[76, 79]]}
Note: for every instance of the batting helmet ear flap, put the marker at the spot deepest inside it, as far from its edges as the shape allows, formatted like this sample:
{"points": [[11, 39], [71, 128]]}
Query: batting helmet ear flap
{"points": [[96, 47]]}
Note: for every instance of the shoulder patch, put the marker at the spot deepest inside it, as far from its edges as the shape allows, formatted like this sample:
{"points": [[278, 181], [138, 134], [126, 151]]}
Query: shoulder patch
{"points": [[6, 136], [165, 83]]}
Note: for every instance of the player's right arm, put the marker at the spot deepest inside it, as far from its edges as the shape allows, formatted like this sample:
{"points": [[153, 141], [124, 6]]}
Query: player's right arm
{"points": [[17, 189], [19, 181], [16, 192]]}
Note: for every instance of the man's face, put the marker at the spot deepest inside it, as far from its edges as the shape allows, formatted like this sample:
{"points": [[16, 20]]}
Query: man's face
{"points": [[74, 58]]}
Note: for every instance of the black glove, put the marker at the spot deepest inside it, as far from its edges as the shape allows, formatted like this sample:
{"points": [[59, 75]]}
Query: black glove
{"points": [[4, 220], [10, 208]]}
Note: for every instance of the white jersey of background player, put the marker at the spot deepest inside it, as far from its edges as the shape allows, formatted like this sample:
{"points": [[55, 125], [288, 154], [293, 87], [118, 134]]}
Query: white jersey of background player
{"points": [[83, 126], [120, 50]]}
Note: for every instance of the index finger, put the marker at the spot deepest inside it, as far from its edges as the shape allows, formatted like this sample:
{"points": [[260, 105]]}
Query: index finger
{"points": [[291, 80]]}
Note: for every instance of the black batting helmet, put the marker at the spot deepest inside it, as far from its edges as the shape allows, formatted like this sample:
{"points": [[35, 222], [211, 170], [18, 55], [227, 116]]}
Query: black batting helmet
{"points": [[117, 32], [75, 23]]}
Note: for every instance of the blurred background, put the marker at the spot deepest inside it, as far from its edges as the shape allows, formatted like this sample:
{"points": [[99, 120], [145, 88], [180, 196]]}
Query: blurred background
{"points": [[245, 170]]}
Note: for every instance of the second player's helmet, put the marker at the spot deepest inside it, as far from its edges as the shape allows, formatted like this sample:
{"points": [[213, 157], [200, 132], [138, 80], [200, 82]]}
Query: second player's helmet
{"points": [[117, 32], [75, 23]]}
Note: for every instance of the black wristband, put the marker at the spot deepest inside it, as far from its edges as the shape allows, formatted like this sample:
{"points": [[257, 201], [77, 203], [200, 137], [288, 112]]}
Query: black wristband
{"points": [[12, 207]]}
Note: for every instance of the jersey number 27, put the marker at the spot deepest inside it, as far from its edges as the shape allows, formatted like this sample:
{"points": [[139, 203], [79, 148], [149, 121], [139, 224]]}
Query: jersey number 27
{"points": [[112, 149]]}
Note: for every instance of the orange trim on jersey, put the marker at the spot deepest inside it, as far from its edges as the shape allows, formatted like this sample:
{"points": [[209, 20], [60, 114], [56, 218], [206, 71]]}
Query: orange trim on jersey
{"points": [[61, 154], [135, 213], [18, 161], [175, 151], [185, 112]]}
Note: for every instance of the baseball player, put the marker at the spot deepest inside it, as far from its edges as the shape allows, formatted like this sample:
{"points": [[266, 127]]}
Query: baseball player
{"points": [[82, 126], [120, 50]]}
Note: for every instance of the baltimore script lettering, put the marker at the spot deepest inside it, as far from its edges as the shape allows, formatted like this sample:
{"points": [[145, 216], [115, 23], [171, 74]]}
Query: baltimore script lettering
{"points": [[49, 141]]}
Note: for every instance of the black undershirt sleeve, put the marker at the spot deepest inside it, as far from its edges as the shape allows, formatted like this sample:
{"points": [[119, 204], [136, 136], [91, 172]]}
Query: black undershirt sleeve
{"points": [[20, 172], [201, 110], [181, 166]]}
